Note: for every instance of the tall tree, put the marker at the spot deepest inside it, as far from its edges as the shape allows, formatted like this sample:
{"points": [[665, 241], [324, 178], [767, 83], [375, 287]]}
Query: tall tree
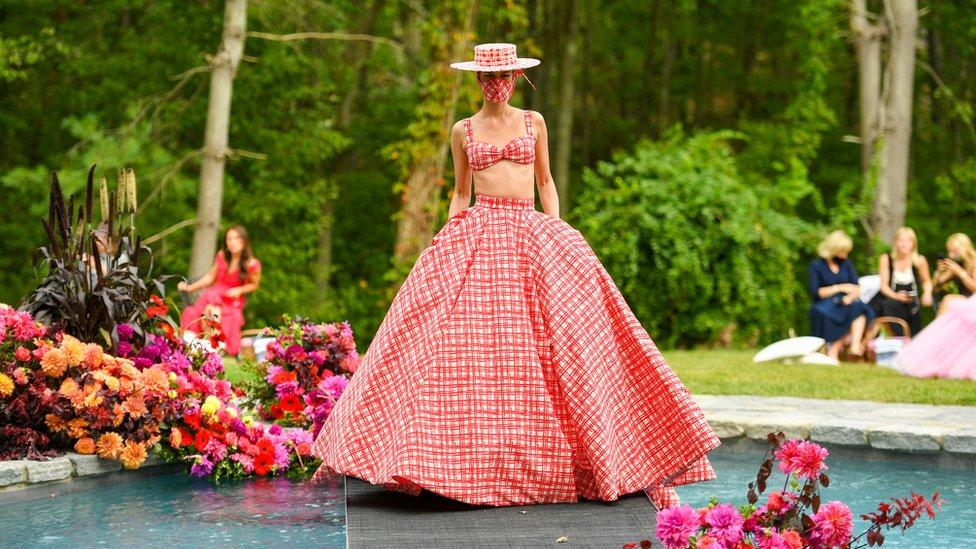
{"points": [[425, 174], [886, 106], [215, 150], [868, 33], [891, 196]]}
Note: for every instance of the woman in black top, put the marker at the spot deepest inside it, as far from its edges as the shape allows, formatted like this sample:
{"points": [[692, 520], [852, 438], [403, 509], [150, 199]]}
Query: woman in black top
{"points": [[906, 286]]}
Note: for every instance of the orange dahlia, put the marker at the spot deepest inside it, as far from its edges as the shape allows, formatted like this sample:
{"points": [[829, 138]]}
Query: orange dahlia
{"points": [[54, 362], [135, 406], [77, 427], [133, 455], [55, 423], [155, 379], [73, 349], [109, 446], [68, 387], [93, 355], [85, 446]]}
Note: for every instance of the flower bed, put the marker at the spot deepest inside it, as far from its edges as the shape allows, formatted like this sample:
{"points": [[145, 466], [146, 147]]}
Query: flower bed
{"points": [[158, 392], [791, 518]]}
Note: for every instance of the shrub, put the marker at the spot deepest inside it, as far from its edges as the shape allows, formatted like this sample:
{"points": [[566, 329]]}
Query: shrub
{"points": [[689, 243]]}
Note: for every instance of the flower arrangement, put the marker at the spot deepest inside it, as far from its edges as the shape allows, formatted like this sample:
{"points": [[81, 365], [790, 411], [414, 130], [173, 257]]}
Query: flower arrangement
{"points": [[222, 444], [791, 518], [87, 399], [306, 368]]}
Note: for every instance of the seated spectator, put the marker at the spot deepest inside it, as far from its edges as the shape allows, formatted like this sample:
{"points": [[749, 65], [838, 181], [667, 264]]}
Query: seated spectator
{"points": [[836, 310], [235, 273], [906, 286], [955, 274]]}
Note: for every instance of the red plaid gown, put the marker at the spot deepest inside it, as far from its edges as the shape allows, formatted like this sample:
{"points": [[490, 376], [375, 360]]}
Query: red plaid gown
{"points": [[510, 370]]}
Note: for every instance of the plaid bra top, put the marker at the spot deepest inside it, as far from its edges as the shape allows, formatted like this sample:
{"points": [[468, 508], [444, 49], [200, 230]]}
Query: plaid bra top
{"points": [[482, 155]]}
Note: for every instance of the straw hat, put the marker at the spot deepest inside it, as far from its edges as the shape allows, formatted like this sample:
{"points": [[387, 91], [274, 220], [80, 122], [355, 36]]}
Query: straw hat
{"points": [[495, 57]]}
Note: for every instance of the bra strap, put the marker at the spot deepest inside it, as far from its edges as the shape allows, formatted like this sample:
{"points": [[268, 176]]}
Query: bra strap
{"points": [[528, 122], [467, 130]]}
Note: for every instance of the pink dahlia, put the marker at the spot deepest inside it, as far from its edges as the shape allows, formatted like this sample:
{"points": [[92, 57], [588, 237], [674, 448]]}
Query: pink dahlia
{"points": [[725, 524], [804, 458], [833, 525], [675, 525]]}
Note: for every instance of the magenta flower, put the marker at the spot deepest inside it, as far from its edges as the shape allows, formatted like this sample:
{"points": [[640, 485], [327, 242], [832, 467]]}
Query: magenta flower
{"points": [[676, 525], [833, 525], [804, 458], [725, 524], [772, 541]]}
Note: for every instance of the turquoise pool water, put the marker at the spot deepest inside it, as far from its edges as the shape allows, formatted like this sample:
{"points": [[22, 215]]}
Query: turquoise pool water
{"points": [[862, 485], [178, 511]]}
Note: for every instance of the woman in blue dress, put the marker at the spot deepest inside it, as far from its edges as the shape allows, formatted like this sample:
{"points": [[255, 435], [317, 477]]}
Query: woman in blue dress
{"points": [[836, 309]]}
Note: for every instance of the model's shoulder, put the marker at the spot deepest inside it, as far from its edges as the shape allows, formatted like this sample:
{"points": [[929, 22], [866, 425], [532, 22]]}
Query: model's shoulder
{"points": [[458, 128], [536, 116]]}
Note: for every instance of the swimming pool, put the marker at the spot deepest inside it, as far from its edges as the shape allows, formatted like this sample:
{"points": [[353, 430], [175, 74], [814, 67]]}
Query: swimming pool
{"points": [[862, 485], [178, 511]]}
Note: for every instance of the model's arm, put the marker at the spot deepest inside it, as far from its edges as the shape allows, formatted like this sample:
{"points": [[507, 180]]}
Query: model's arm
{"points": [[461, 198], [543, 175], [205, 281]]}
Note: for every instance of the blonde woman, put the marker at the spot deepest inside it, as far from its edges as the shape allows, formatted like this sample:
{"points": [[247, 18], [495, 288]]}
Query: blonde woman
{"points": [[836, 309], [955, 275], [906, 286]]}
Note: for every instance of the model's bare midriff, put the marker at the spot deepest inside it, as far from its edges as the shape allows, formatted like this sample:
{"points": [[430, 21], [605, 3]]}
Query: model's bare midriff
{"points": [[506, 178]]}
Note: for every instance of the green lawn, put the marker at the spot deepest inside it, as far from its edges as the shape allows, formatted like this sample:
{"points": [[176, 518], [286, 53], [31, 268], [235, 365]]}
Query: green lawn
{"points": [[733, 373]]}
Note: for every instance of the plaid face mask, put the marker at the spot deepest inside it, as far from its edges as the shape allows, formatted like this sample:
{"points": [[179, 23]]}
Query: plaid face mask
{"points": [[497, 90]]}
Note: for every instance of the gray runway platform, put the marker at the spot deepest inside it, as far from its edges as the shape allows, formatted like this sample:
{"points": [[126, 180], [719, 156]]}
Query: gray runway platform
{"points": [[379, 518]]}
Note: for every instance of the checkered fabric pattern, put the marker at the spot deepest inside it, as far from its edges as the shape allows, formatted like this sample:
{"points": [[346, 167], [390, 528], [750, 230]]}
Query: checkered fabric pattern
{"points": [[510, 370], [482, 155], [495, 55]]}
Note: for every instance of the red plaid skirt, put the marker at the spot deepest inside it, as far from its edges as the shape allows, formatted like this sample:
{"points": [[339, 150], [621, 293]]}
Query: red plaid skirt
{"points": [[510, 370]]}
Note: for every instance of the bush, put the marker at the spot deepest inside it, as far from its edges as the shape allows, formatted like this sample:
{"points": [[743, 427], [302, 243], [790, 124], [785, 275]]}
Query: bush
{"points": [[690, 246]]}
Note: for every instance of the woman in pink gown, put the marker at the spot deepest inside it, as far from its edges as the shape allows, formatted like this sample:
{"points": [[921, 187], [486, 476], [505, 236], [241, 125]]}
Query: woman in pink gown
{"points": [[946, 347], [226, 285]]}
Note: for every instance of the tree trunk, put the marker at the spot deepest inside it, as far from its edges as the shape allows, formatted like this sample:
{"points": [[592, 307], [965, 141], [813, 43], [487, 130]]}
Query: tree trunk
{"points": [[567, 93], [215, 148], [868, 41], [889, 206], [415, 221]]}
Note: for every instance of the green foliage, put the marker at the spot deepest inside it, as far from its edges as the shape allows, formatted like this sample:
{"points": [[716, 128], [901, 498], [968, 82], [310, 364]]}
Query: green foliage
{"points": [[685, 236], [94, 280]]}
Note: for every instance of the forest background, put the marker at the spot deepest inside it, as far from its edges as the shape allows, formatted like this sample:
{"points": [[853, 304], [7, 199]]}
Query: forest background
{"points": [[703, 147]]}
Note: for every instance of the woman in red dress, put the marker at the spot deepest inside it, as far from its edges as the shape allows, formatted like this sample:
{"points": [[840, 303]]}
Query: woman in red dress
{"points": [[509, 369], [226, 285]]}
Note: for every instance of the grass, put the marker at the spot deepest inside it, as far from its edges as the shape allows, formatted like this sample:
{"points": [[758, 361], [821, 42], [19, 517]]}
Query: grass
{"points": [[733, 373]]}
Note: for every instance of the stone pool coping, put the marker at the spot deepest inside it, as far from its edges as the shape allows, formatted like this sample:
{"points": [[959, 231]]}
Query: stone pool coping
{"points": [[936, 435], [25, 480], [943, 434]]}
